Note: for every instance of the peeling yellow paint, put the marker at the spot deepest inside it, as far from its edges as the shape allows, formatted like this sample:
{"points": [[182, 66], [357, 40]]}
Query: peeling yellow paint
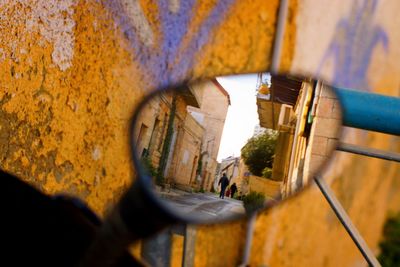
{"points": [[220, 245], [177, 250], [69, 126], [243, 42], [289, 39]]}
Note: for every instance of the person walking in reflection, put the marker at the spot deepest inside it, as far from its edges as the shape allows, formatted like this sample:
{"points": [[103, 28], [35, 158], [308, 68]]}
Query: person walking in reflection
{"points": [[233, 189], [224, 182], [228, 191]]}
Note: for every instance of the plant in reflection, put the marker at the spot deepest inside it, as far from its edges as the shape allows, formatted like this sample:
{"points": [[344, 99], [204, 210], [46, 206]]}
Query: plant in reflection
{"points": [[258, 153], [148, 165], [253, 201], [167, 143], [390, 244], [201, 190], [199, 166], [264, 83], [267, 173]]}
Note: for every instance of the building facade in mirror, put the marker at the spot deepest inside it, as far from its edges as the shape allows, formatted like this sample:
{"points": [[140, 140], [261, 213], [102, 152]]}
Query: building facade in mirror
{"points": [[212, 115], [307, 115], [179, 132]]}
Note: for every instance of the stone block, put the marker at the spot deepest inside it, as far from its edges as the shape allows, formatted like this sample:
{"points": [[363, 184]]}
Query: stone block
{"points": [[327, 92], [325, 107], [319, 145], [327, 127], [337, 110], [317, 162], [331, 146]]}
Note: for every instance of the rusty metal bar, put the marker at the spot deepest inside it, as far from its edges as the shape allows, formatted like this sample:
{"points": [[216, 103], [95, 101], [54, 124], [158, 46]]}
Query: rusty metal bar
{"points": [[369, 152], [346, 222]]}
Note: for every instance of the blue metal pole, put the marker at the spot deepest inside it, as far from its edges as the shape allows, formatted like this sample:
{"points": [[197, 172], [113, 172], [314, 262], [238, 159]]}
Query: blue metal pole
{"points": [[369, 111]]}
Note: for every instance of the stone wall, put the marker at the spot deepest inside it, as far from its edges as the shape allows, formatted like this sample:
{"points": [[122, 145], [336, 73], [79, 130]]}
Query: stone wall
{"points": [[270, 188]]}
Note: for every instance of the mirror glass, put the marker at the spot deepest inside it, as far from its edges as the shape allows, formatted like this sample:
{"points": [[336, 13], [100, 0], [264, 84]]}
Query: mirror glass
{"points": [[225, 147]]}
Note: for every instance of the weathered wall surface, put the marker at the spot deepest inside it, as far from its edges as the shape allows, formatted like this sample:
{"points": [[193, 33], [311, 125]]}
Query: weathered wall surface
{"points": [[186, 151], [219, 245], [215, 104], [66, 96], [269, 187], [71, 73], [350, 44]]}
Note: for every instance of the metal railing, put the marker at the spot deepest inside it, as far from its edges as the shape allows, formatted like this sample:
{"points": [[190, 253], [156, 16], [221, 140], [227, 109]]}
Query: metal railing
{"points": [[357, 113]]}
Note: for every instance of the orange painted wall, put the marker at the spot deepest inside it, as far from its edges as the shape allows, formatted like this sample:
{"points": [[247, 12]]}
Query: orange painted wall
{"points": [[72, 73]]}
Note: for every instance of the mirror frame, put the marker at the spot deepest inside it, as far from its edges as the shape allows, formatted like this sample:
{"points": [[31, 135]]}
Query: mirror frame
{"points": [[143, 183]]}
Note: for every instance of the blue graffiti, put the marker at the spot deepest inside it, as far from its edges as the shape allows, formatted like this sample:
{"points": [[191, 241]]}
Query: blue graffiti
{"points": [[169, 62], [174, 27], [352, 46]]}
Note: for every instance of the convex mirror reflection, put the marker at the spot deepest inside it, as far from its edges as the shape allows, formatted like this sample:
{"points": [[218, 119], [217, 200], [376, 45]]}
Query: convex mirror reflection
{"points": [[225, 147]]}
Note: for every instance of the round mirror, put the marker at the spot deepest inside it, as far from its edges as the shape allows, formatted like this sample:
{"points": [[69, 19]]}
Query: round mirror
{"points": [[222, 148]]}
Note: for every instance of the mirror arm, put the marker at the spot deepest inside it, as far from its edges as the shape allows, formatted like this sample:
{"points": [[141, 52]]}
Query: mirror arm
{"points": [[137, 216], [142, 213], [370, 111]]}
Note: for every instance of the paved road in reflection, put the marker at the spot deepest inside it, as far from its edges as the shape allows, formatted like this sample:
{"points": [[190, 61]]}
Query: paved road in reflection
{"points": [[204, 205]]}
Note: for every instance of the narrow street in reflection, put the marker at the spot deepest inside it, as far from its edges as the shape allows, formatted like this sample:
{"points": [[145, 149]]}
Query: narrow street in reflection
{"points": [[205, 205], [225, 147]]}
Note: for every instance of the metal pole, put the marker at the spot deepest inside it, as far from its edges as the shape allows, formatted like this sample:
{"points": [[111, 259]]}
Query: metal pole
{"points": [[346, 222], [189, 246], [370, 111], [369, 152], [280, 30], [249, 239], [156, 251]]}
